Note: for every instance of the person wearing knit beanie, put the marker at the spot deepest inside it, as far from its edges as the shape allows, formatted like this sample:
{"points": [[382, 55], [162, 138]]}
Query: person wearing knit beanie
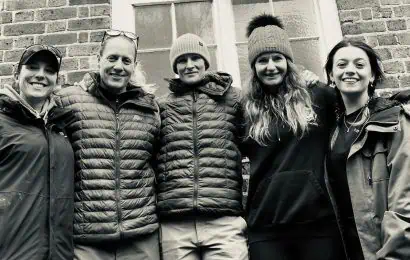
{"points": [[289, 215], [188, 44], [267, 34], [199, 168]]}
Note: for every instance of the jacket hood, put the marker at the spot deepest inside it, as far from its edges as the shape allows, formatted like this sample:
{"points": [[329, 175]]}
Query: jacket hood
{"points": [[13, 104], [9, 95], [213, 83], [134, 94], [384, 110]]}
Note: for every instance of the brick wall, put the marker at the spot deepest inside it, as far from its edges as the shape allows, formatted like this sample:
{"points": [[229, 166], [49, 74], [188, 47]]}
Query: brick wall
{"points": [[73, 26], [384, 25]]}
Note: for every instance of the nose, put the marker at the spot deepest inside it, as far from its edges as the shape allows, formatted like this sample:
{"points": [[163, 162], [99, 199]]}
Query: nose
{"points": [[40, 74], [189, 63], [118, 65], [270, 65], [350, 69]]}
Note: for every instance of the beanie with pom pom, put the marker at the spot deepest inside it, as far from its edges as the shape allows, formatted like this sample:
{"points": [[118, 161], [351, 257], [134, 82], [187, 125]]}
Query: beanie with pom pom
{"points": [[266, 34]]}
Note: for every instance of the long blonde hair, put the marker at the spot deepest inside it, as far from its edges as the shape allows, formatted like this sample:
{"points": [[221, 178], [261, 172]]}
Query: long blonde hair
{"points": [[292, 105]]}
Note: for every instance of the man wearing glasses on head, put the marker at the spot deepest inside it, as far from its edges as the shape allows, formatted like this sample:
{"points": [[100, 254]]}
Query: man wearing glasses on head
{"points": [[113, 136]]}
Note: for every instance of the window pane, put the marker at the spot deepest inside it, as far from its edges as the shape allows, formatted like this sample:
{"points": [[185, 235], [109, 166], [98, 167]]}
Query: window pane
{"points": [[306, 53], [153, 24], [298, 17], [243, 13], [156, 67], [195, 17], [243, 62]]}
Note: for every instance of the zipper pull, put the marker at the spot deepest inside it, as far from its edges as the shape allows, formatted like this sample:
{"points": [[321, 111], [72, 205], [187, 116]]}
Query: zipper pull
{"points": [[369, 179]]}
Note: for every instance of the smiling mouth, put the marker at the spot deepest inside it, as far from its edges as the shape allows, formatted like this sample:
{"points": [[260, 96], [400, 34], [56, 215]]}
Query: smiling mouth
{"points": [[350, 80], [38, 85]]}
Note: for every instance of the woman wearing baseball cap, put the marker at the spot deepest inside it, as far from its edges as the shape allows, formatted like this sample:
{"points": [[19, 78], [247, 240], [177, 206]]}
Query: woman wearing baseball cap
{"points": [[36, 163]]}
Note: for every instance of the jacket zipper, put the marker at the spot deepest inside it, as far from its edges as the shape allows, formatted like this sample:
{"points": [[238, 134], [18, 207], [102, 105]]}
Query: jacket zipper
{"points": [[195, 140], [117, 168], [49, 181]]}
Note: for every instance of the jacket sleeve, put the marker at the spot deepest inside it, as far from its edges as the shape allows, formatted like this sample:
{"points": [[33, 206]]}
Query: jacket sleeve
{"points": [[395, 226]]}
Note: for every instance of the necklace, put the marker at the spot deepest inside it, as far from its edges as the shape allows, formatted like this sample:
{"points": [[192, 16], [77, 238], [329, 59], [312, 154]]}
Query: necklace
{"points": [[355, 120]]}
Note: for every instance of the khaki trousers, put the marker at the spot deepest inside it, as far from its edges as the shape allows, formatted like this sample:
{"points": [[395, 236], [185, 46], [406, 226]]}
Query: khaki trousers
{"points": [[201, 238]]}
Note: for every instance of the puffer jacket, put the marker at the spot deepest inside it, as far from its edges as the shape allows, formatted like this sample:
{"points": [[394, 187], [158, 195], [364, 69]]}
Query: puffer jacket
{"points": [[113, 142], [36, 181], [199, 163], [377, 168]]}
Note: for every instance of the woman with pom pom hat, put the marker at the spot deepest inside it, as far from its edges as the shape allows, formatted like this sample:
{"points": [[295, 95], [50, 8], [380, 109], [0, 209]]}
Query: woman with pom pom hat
{"points": [[289, 213]]}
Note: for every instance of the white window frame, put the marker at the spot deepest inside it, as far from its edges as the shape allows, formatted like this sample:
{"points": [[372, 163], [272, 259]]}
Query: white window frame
{"points": [[329, 31]]}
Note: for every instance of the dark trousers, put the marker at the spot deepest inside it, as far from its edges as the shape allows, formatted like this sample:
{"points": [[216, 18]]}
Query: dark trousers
{"points": [[289, 248]]}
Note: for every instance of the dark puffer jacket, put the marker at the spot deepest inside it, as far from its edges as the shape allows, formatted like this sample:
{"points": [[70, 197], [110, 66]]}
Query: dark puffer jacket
{"points": [[199, 163], [113, 138], [36, 182]]}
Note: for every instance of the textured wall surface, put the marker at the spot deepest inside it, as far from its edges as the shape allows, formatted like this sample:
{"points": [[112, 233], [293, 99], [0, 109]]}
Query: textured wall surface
{"points": [[74, 26], [384, 25]]}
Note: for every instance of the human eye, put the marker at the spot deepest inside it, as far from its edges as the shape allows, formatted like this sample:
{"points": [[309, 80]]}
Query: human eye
{"points": [[262, 60], [112, 58], [195, 57], [50, 70], [360, 64], [182, 60], [127, 61], [341, 64], [32, 66]]}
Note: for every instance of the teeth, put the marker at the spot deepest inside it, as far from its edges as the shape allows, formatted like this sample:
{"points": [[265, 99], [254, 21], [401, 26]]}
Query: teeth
{"points": [[350, 80], [37, 85]]}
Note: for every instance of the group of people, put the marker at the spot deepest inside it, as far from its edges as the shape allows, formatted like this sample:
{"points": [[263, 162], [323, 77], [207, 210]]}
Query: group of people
{"points": [[103, 170]]}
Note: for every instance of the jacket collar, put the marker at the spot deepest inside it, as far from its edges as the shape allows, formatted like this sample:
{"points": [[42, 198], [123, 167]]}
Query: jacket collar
{"points": [[213, 84], [133, 95], [384, 115], [15, 106]]}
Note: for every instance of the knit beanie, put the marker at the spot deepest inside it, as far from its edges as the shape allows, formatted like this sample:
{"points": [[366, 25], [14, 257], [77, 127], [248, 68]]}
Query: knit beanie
{"points": [[188, 43], [266, 34]]}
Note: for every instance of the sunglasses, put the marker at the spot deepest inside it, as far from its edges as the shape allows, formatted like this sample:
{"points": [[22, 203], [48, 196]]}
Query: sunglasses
{"points": [[114, 33], [32, 49]]}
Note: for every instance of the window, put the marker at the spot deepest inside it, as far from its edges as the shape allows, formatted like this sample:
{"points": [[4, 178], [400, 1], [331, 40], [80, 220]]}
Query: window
{"points": [[313, 27]]}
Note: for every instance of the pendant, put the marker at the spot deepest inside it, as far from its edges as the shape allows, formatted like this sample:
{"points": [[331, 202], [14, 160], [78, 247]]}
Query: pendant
{"points": [[347, 131]]}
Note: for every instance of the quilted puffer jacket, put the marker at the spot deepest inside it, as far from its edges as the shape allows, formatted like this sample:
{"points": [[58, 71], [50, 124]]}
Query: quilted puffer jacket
{"points": [[113, 138], [199, 163]]}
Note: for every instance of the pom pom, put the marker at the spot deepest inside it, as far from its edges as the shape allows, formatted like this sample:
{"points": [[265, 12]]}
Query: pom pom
{"points": [[262, 21]]}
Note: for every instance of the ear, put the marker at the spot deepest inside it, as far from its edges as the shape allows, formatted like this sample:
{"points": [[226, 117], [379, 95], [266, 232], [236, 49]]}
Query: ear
{"points": [[331, 76], [373, 78]]}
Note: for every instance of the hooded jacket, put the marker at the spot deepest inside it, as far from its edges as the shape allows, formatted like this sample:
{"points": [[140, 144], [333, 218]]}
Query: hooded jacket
{"points": [[378, 177], [113, 138], [199, 163], [36, 181]]}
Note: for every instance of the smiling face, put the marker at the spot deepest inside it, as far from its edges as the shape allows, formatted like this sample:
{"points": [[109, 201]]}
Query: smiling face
{"points": [[351, 71], [271, 68], [117, 63], [190, 68], [37, 79]]}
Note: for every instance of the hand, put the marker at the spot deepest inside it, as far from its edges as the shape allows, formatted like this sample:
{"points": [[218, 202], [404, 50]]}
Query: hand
{"points": [[309, 77]]}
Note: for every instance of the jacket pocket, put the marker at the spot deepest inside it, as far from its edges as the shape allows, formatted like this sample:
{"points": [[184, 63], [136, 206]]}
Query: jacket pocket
{"points": [[288, 197], [376, 177]]}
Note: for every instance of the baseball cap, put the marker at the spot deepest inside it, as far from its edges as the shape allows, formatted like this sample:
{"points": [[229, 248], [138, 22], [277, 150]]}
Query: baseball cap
{"points": [[32, 50]]}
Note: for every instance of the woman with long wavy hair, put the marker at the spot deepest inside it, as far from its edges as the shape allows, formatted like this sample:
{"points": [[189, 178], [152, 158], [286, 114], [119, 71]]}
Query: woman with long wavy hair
{"points": [[289, 212]]}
